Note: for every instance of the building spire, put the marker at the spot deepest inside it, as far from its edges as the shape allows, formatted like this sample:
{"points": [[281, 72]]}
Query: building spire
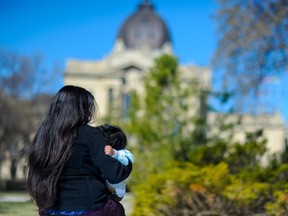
{"points": [[146, 2]]}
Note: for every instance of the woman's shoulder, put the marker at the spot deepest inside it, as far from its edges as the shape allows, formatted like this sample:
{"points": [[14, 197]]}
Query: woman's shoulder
{"points": [[91, 135], [87, 127], [88, 130]]}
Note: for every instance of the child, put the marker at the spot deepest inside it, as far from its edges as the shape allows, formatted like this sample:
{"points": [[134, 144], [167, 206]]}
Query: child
{"points": [[117, 141]]}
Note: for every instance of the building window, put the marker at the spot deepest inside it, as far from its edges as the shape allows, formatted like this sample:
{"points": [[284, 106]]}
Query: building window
{"points": [[110, 98], [126, 104]]}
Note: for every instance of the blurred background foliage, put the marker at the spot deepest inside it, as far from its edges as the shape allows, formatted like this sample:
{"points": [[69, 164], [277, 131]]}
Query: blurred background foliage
{"points": [[182, 168], [22, 104], [252, 47]]}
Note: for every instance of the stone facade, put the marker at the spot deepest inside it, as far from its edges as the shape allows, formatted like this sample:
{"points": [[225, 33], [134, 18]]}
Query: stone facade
{"points": [[112, 79]]}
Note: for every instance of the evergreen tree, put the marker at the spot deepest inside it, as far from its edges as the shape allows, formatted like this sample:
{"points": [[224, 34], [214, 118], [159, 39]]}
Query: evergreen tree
{"points": [[165, 119]]}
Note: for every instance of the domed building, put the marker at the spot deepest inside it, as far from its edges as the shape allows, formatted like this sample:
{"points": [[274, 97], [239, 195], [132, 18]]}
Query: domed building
{"points": [[143, 36]]}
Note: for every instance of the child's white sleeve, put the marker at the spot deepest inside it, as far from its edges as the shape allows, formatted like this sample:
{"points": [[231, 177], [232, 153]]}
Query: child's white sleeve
{"points": [[123, 156], [120, 188]]}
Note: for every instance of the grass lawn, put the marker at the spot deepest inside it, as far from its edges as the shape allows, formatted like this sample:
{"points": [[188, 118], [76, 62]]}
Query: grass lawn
{"points": [[17, 208], [14, 208]]}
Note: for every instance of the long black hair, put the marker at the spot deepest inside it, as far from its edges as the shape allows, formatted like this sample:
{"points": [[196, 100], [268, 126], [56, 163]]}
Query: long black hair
{"points": [[71, 108]]}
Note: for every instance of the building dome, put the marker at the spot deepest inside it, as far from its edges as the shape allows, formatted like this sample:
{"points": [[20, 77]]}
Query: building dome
{"points": [[144, 29]]}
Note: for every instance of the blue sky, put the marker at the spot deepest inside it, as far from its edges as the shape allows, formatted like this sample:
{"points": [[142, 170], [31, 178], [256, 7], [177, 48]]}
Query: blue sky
{"points": [[88, 29], [62, 29]]}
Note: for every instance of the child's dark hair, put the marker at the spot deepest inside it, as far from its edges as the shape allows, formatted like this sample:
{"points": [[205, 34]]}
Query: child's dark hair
{"points": [[114, 135]]}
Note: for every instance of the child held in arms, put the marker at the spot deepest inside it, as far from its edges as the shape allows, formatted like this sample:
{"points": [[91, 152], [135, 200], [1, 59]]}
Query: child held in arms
{"points": [[117, 142]]}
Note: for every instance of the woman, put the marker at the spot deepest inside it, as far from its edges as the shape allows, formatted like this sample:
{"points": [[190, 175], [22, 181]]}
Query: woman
{"points": [[67, 163]]}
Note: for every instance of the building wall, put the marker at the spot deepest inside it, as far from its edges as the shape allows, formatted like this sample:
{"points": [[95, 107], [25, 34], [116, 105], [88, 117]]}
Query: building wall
{"points": [[273, 126], [122, 72]]}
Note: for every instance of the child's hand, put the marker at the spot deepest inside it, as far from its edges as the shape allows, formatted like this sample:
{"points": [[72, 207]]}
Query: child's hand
{"points": [[109, 150]]}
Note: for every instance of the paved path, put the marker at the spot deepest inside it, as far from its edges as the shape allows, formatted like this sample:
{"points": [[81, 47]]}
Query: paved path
{"points": [[127, 202], [14, 198]]}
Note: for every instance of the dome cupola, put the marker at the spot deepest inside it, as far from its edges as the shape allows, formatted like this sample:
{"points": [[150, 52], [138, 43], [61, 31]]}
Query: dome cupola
{"points": [[144, 29]]}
